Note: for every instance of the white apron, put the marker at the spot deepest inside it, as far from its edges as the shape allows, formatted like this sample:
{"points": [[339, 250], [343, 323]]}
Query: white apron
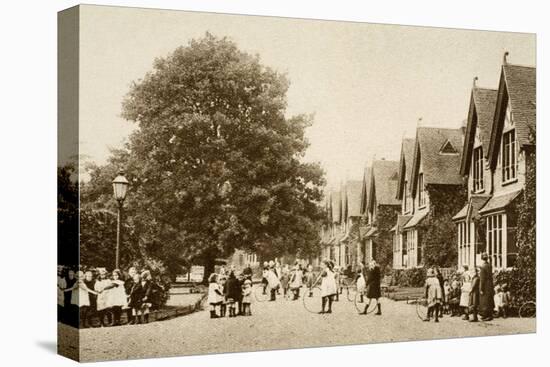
{"points": [[328, 284]]}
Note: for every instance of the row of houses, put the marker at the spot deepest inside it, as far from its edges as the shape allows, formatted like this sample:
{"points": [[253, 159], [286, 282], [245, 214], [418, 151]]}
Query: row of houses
{"points": [[452, 195]]}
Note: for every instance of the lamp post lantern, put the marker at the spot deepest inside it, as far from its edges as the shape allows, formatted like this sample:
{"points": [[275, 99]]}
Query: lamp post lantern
{"points": [[120, 187]]}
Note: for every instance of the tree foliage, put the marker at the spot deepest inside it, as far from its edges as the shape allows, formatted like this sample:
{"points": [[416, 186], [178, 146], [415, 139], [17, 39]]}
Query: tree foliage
{"points": [[67, 215], [215, 164], [385, 220], [526, 265], [437, 230]]}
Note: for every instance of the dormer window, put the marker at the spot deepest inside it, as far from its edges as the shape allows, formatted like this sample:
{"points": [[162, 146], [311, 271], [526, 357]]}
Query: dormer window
{"points": [[448, 148], [509, 156], [478, 169]]}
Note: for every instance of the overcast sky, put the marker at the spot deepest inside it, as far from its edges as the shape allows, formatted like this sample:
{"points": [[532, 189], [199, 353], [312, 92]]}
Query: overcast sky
{"points": [[367, 84]]}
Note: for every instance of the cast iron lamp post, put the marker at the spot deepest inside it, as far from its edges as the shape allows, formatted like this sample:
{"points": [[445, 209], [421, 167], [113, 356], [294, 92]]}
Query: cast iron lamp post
{"points": [[120, 187]]}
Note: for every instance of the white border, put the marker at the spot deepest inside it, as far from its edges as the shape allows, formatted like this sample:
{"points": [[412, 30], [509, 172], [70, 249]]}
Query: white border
{"points": [[28, 153]]}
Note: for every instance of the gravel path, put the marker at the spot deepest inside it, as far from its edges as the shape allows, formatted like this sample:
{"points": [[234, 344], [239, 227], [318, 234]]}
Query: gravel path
{"points": [[280, 325]]}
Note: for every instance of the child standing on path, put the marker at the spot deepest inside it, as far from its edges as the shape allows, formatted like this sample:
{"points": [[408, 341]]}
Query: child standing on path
{"points": [[117, 295], [215, 296], [223, 305], [310, 280], [328, 287], [247, 297], [136, 300], [434, 295], [232, 293]]}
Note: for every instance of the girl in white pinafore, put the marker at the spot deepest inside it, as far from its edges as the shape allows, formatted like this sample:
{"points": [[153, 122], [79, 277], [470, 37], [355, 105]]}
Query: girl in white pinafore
{"points": [[80, 297], [215, 295], [328, 286], [465, 292], [101, 286], [116, 295]]}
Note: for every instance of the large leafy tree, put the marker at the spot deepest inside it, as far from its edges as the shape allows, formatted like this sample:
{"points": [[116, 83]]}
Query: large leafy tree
{"points": [[215, 164], [67, 215]]}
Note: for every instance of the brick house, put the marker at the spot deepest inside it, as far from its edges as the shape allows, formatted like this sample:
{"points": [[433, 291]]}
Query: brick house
{"points": [[382, 207], [333, 229], [350, 243], [489, 225], [474, 166], [403, 194], [437, 191]]}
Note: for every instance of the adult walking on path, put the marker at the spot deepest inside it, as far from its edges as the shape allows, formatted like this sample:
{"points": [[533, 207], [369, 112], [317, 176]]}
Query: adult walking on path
{"points": [[373, 287], [486, 290]]}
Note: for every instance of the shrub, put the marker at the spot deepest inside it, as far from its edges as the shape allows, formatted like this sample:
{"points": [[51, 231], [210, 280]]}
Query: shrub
{"points": [[415, 277]]}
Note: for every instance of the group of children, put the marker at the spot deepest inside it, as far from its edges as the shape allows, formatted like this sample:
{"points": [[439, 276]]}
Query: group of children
{"points": [[229, 294], [454, 296], [94, 292], [289, 280]]}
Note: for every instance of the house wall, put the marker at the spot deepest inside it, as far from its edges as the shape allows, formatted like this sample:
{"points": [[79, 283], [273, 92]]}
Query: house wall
{"points": [[502, 242], [499, 187], [487, 176]]}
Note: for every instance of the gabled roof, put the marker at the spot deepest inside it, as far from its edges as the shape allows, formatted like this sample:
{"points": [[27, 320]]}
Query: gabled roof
{"points": [[383, 183], [517, 86], [439, 168], [405, 163], [480, 115], [365, 190], [336, 205], [353, 195]]}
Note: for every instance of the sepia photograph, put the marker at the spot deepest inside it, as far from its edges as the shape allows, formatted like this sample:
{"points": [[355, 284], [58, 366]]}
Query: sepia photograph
{"points": [[237, 183]]}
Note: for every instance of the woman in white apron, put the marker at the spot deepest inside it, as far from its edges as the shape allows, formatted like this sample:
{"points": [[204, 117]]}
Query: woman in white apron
{"points": [[328, 286]]}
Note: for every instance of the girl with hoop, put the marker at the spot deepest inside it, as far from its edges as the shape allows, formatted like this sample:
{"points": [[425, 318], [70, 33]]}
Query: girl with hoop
{"points": [[328, 286], [373, 287]]}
